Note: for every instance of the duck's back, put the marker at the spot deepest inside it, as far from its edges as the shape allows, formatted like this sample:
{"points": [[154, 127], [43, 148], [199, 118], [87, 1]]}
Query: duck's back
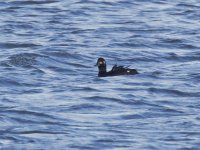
{"points": [[121, 70]]}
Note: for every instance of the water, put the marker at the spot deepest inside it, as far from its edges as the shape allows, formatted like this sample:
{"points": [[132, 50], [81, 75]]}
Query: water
{"points": [[51, 97]]}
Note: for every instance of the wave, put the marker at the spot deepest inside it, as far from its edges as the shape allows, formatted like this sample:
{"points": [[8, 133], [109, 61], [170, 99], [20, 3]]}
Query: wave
{"points": [[33, 2], [177, 93]]}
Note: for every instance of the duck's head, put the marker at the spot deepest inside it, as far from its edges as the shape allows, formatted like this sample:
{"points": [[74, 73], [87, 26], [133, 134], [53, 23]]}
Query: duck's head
{"points": [[101, 63]]}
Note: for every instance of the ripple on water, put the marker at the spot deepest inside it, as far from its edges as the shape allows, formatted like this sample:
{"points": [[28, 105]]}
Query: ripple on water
{"points": [[19, 2], [17, 45], [24, 59], [174, 92], [7, 82]]}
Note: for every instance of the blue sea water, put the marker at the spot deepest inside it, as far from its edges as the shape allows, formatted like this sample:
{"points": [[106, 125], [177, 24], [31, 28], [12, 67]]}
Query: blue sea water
{"points": [[51, 97]]}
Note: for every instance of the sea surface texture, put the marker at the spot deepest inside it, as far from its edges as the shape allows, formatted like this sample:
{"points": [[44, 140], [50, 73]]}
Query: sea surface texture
{"points": [[52, 98]]}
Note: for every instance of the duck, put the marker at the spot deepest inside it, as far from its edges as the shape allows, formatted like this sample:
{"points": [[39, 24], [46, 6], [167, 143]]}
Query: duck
{"points": [[115, 71]]}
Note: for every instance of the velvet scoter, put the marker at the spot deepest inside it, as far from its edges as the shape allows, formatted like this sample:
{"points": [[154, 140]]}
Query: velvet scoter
{"points": [[115, 71]]}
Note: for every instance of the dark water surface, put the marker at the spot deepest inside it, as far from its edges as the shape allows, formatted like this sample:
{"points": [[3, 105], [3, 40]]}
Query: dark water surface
{"points": [[51, 97]]}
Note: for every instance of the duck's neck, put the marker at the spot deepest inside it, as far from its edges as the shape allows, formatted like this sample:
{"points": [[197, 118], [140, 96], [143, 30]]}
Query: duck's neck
{"points": [[102, 70]]}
